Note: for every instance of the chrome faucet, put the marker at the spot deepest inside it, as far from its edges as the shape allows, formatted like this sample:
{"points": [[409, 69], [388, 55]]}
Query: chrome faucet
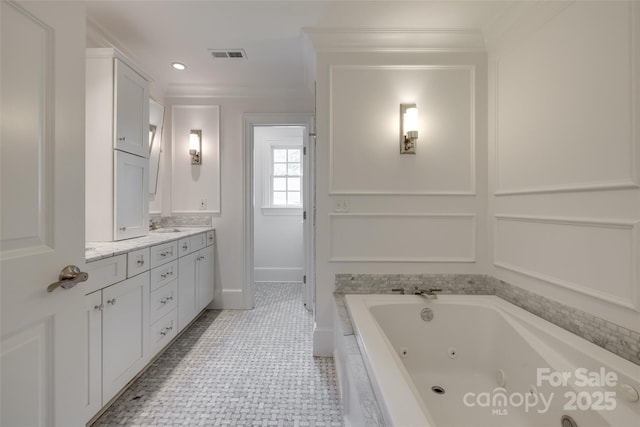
{"points": [[428, 293]]}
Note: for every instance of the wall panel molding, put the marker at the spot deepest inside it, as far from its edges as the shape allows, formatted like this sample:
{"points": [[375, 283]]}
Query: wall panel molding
{"points": [[413, 238], [387, 144], [592, 257], [628, 151], [191, 183]]}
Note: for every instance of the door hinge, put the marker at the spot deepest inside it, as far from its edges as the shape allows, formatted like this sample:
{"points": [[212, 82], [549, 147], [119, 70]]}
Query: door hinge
{"points": [[304, 215], [304, 151], [304, 279]]}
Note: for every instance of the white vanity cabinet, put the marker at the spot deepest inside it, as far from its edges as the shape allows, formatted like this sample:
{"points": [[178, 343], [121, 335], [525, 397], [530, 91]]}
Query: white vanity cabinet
{"points": [[164, 295], [195, 279], [135, 305], [117, 147], [117, 322], [125, 326]]}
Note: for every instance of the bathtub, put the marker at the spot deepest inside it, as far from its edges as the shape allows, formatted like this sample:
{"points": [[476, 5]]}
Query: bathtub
{"points": [[481, 361]]}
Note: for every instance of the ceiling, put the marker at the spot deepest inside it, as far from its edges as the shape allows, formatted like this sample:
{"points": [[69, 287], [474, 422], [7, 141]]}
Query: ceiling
{"points": [[157, 33]]}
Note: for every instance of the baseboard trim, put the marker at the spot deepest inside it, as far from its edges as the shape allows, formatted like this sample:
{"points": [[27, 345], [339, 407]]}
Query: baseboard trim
{"points": [[322, 341], [229, 299]]}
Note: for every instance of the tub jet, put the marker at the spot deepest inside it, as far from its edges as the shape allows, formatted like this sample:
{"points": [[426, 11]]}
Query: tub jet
{"points": [[567, 421], [439, 390]]}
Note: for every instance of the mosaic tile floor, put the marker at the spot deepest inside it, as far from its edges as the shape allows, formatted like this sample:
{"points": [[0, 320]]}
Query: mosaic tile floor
{"points": [[238, 368]]}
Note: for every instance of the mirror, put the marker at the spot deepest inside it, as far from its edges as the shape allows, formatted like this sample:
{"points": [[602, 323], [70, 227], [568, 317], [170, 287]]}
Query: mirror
{"points": [[156, 120]]}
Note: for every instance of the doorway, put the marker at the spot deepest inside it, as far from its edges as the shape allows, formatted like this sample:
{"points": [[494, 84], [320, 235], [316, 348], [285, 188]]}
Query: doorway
{"points": [[279, 202]]}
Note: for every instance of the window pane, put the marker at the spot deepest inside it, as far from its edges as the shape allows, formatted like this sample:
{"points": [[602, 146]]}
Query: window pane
{"points": [[293, 184], [279, 184], [294, 155], [279, 155], [280, 169], [294, 169], [293, 198], [279, 198]]}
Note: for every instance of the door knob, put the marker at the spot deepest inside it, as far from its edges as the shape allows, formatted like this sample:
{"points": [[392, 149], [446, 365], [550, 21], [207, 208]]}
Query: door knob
{"points": [[69, 277]]}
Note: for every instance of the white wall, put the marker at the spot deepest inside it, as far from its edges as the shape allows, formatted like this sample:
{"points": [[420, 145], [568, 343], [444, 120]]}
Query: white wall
{"points": [[195, 189], [564, 154], [422, 213], [278, 244], [229, 223]]}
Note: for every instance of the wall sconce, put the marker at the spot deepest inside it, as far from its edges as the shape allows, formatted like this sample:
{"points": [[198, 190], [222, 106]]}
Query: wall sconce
{"points": [[408, 128], [195, 147]]}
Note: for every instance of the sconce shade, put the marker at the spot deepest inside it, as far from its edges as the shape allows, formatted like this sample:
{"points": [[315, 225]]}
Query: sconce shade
{"points": [[411, 120], [195, 147]]}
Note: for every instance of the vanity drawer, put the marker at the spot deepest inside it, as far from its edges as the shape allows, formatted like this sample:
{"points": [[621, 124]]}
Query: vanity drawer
{"points": [[184, 246], [198, 241], [161, 254], [163, 300], [163, 331], [105, 272], [162, 275], [137, 262], [211, 238]]}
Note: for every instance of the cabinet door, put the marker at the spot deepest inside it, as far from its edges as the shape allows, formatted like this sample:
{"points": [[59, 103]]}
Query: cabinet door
{"points": [[205, 277], [131, 196], [132, 111], [187, 307], [125, 328], [93, 364]]}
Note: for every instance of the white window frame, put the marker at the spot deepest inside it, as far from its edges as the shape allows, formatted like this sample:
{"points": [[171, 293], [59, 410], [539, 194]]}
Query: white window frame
{"points": [[268, 208]]}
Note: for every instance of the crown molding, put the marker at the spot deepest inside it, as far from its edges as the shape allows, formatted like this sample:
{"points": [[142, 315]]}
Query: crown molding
{"points": [[395, 40], [225, 91]]}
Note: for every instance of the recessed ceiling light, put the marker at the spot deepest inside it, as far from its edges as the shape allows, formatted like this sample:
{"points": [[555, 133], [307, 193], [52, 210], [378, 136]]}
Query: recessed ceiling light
{"points": [[178, 66]]}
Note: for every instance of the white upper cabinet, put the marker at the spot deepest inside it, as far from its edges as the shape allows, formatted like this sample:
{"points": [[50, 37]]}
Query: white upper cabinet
{"points": [[131, 128], [131, 196], [117, 148]]}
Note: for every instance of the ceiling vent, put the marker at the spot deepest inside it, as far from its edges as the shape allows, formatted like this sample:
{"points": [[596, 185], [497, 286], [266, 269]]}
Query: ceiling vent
{"points": [[228, 53]]}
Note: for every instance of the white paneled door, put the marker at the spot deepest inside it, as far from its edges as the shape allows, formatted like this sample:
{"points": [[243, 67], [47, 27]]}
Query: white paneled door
{"points": [[42, 337]]}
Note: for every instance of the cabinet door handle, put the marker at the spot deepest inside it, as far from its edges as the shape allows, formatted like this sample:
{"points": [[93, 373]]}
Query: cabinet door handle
{"points": [[111, 301], [185, 247], [122, 138], [141, 261], [122, 228], [99, 307], [163, 301]]}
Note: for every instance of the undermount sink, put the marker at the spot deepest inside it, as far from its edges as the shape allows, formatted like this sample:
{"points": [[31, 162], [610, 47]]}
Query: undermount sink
{"points": [[167, 230]]}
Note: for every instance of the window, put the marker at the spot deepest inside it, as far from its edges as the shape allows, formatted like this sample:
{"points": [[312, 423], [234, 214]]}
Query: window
{"points": [[286, 177]]}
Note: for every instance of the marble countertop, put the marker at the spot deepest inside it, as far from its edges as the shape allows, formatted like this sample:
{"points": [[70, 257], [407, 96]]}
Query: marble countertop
{"points": [[100, 250]]}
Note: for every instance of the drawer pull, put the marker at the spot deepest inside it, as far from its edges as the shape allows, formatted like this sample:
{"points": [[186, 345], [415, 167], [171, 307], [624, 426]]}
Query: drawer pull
{"points": [[140, 261], [111, 301], [185, 247]]}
